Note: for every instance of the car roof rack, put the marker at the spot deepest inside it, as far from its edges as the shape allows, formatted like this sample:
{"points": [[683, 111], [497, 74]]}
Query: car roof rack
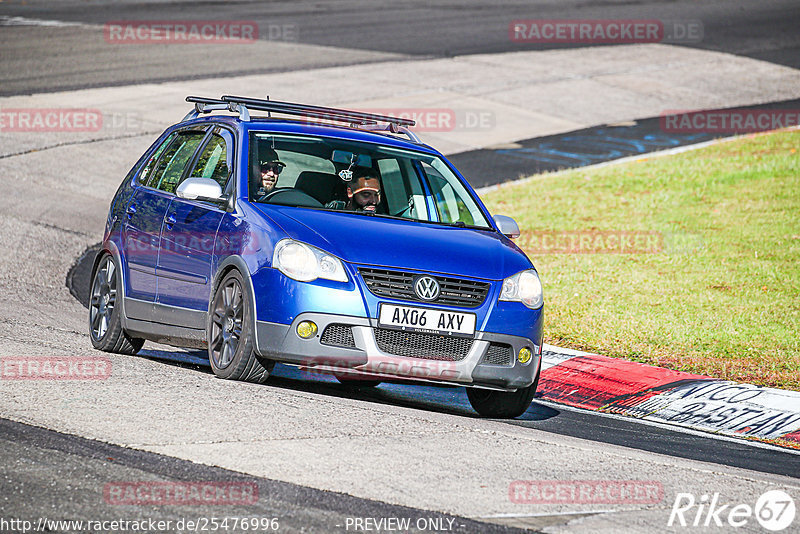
{"points": [[356, 119], [207, 105]]}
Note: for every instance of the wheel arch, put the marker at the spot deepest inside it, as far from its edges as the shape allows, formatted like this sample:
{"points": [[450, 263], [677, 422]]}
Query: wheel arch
{"points": [[110, 247], [225, 266]]}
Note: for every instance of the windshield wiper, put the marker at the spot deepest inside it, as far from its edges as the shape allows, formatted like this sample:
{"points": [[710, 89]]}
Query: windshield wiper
{"points": [[455, 224], [386, 216]]}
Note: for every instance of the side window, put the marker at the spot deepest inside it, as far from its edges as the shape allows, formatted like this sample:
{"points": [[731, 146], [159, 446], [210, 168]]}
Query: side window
{"points": [[170, 169], [448, 201], [394, 190], [213, 161], [151, 163], [297, 162]]}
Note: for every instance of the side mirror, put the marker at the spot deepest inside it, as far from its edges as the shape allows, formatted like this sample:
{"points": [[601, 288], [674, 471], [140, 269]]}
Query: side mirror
{"points": [[204, 189], [507, 226]]}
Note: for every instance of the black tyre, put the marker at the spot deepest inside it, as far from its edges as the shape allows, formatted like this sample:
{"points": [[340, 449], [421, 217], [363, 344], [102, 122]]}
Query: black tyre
{"points": [[105, 323], [502, 404], [229, 332]]}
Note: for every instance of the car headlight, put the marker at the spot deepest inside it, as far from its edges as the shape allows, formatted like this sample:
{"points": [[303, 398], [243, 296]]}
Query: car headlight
{"points": [[524, 287], [305, 263]]}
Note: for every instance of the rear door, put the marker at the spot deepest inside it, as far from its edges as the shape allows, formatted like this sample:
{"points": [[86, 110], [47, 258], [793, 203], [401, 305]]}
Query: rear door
{"points": [[187, 238], [145, 216], [141, 231]]}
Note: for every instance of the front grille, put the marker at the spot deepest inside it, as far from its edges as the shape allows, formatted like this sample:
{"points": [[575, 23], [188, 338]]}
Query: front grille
{"points": [[338, 335], [498, 354], [425, 346], [400, 285]]}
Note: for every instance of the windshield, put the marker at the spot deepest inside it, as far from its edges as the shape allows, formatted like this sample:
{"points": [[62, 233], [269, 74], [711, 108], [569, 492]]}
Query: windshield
{"points": [[358, 177]]}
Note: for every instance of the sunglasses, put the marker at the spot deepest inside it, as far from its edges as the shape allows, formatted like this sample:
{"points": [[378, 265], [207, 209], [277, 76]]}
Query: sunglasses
{"points": [[274, 167]]}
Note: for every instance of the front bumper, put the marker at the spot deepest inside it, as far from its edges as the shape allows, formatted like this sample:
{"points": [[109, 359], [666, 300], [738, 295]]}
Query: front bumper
{"points": [[487, 360]]}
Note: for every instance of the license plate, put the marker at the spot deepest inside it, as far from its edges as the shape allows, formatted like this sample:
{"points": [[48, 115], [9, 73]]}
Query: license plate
{"points": [[426, 320]]}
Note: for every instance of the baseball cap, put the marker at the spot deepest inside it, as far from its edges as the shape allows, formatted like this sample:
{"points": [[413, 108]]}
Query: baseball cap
{"points": [[268, 155]]}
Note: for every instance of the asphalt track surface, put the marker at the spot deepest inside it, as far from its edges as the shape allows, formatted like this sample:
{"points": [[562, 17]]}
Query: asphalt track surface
{"points": [[68, 468], [60, 485], [547, 417], [489, 166], [73, 57], [561, 420]]}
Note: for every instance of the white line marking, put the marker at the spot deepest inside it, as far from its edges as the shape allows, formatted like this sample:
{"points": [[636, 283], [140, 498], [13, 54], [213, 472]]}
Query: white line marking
{"points": [[23, 21], [666, 426], [544, 514], [562, 350]]}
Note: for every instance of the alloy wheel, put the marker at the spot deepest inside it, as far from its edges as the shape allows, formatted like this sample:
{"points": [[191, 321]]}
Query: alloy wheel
{"points": [[226, 328], [103, 297]]}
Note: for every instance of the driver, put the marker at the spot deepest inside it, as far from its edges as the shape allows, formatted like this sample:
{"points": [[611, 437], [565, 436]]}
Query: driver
{"points": [[363, 193], [270, 167]]}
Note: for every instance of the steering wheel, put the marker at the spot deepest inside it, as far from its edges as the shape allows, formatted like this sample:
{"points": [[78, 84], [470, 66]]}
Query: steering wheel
{"points": [[274, 193], [290, 196]]}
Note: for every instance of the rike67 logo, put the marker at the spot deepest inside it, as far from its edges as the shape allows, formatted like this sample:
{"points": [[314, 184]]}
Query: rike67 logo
{"points": [[774, 510]]}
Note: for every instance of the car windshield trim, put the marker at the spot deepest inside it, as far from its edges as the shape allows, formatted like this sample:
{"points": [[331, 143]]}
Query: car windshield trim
{"points": [[420, 185]]}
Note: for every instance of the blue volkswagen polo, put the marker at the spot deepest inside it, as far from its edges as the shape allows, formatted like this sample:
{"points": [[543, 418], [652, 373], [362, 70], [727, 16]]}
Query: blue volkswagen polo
{"points": [[323, 238]]}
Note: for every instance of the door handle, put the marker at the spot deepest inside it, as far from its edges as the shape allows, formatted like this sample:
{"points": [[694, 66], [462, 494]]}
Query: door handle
{"points": [[131, 210], [171, 221]]}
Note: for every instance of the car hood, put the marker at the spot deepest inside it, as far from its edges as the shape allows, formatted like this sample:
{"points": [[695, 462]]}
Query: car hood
{"points": [[402, 244]]}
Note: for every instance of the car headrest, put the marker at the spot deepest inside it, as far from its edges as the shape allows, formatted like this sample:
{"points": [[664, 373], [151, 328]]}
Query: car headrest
{"points": [[321, 185]]}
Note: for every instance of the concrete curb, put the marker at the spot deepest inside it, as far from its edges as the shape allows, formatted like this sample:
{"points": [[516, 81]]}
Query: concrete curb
{"points": [[612, 385]]}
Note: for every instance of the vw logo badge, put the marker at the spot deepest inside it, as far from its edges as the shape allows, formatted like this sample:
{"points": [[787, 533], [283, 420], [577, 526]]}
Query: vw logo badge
{"points": [[426, 288]]}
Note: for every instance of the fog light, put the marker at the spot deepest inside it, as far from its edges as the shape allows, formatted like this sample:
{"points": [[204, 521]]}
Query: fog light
{"points": [[307, 329], [524, 355]]}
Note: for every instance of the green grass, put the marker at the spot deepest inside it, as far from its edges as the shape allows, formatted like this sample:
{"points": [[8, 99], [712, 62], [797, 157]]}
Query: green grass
{"points": [[721, 298]]}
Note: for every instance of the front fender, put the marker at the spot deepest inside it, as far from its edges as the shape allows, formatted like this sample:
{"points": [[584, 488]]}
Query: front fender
{"points": [[225, 266], [280, 299]]}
